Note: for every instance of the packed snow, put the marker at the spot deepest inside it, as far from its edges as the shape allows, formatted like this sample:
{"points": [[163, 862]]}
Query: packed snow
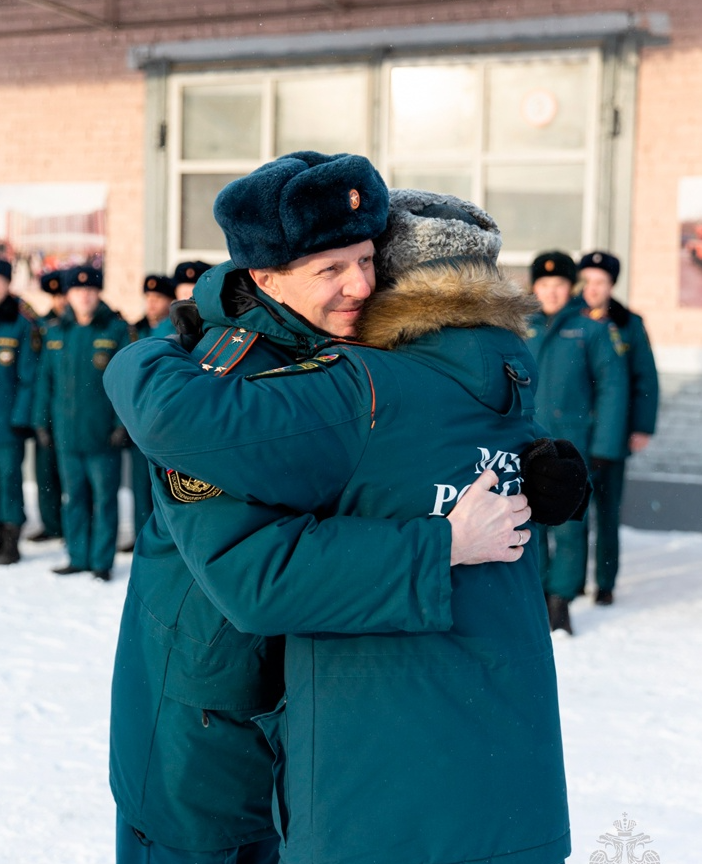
{"points": [[629, 680]]}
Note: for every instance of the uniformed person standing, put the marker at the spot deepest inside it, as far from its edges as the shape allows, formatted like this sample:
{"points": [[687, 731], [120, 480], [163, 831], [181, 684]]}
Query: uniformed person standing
{"points": [[159, 293], [18, 362], [598, 272], [582, 396], [186, 275], [88, 435], [46, 467]]}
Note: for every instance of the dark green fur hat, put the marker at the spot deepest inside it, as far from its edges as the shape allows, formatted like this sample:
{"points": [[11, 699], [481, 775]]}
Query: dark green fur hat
{"points": [[302, 203]]}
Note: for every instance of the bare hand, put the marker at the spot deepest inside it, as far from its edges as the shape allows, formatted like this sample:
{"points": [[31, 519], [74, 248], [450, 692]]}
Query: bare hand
{"points": [[638, 441], [485, 525]]}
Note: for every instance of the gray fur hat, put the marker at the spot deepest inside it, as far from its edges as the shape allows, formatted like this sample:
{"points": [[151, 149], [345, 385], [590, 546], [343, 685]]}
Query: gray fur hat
{"points": [[428, 228]]}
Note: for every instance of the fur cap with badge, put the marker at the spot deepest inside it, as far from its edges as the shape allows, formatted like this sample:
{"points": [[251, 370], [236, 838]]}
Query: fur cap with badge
{"points": [[601, 261]]}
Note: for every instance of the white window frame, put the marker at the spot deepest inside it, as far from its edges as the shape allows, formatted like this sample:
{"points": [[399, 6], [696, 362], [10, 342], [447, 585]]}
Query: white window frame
{"points": [[376, 134]]}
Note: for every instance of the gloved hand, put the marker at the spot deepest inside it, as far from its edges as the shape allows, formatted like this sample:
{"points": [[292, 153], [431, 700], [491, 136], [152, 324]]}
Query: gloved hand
{"points": [[43, 436], [555, 481], [120, 437], [187, 322]]}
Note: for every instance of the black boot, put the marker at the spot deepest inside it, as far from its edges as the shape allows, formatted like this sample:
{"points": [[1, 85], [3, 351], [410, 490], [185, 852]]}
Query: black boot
{"points": [[558, 615], [10, 537]]}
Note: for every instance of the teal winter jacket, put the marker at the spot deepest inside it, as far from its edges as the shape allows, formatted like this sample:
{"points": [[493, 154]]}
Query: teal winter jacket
{"points": [[583, 383], [390, 747], [70, 398], [18, 364], [187, 765], [641, 365]]}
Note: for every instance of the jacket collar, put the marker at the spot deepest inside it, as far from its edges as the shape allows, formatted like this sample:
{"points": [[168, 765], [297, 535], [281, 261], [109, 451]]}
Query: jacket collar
{"points": [[452, 294]]}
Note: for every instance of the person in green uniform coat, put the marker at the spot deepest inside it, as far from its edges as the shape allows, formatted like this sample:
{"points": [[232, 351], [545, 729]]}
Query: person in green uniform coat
{"points": [[86, 432], [583, 395], [190, 773], [186, 275], [18, 363], [435, 774], [598, 272], [46, 466], [159, 293]]}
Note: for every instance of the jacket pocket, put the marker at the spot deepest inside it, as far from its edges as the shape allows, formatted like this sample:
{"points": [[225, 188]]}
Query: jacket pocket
{"points": [[275, 727]]}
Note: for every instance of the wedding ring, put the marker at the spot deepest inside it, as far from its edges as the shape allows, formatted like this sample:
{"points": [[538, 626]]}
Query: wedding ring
{"points": [[519, 542]]}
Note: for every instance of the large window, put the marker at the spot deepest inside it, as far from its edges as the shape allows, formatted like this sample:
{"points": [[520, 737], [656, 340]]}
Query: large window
{"points": [[514, 134]]}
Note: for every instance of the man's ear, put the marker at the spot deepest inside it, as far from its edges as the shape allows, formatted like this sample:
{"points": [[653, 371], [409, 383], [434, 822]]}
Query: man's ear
{"points": [[266, 281]]}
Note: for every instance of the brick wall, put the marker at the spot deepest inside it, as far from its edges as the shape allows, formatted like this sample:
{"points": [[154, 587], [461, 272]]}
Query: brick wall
{"points": [[88, 131]]}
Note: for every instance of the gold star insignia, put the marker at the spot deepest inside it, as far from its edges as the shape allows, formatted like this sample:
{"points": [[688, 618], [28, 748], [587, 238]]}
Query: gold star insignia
{"points": [[237, 338], [220, 368], [206, 367]]}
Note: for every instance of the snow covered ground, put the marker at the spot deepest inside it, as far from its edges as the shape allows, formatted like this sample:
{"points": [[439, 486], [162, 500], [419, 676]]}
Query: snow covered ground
{"points": [[630, 685]]}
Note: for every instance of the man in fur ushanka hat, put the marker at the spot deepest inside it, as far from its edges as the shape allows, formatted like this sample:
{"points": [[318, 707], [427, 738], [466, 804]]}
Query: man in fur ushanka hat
{"points": [[453, 757], [195, 773]]}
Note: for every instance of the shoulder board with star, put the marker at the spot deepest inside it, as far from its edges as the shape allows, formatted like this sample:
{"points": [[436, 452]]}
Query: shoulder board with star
{"points": [[317, 364]]}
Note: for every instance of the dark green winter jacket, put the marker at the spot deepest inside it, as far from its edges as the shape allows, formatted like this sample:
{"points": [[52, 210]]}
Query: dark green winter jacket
{"points": [[18, 364], [641, 365], [187, 766], [391, 747], [70, 398], [583, 382]]}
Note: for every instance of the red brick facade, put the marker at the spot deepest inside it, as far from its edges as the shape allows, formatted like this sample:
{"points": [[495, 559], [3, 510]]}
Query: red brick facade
{"points": [[74, 111]]}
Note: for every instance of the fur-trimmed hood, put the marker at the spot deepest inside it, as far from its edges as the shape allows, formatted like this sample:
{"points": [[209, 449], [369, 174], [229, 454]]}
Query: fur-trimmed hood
{"points": [[456, 294]]}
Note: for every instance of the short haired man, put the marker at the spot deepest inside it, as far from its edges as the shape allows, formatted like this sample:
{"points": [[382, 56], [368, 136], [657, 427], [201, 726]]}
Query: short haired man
{"points": [[582, 396], [598, 272], [71, 402], [388, 433], [18, 362]]}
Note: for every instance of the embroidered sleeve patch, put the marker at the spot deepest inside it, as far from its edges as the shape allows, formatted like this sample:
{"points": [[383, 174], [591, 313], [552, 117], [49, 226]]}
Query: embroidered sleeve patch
{"points": [[188, 489], [315, 365]]}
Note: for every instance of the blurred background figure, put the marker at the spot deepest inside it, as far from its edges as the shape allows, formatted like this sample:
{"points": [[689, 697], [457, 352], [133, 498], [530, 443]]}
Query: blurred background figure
{"points": [[185, 277], [598, 272], [18, 362], [582, 396], [45, 464], [159, 293], [71, 401]]}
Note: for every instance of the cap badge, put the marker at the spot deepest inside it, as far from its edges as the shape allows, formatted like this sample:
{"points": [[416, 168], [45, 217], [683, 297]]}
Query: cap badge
{"points": [[597, 258], [82, 277], [151, 283], [53, 284], [549, 265], [354, 199], [190, 272]]}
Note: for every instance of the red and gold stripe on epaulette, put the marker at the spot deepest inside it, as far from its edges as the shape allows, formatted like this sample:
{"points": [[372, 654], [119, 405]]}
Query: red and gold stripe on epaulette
{"points": [[231, 347]]}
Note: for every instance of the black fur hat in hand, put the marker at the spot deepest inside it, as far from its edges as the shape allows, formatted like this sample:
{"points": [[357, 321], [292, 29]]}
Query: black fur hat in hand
{"points": [[427, 228]]}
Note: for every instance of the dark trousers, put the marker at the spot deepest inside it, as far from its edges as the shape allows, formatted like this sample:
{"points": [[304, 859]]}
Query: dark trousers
{"points": [[607, 490], [563, 558], [141, 487], [48, 489], [134, 848], [89, 515], [11, 496]]}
